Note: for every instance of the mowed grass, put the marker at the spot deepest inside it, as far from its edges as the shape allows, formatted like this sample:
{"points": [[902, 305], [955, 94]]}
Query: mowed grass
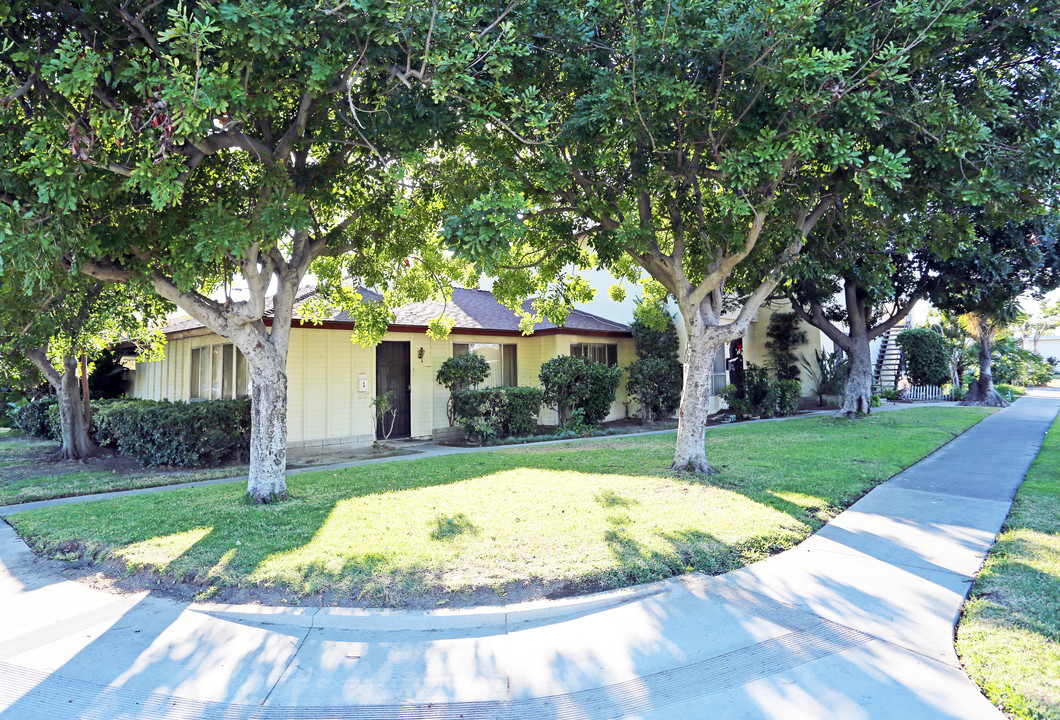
{"points": [[26, 476], [584, 515], [1009, 634]]}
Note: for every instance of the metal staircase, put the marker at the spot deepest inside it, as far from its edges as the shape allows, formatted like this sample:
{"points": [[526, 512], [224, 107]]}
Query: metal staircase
{"points": [[888, 368]]}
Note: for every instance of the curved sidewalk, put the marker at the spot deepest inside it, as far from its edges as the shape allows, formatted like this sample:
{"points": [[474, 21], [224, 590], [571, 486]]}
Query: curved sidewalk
{"points": [[856, 622]]}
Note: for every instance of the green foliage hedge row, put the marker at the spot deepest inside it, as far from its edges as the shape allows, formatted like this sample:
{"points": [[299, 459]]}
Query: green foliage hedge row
{"points": [[577, 383], [762, 395], [178, 433], [156, 432], [497, 412]]}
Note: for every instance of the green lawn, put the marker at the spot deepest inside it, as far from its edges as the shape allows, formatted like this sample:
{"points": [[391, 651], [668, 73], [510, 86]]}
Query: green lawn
{"points": [[579, 515], [28, 474], [1009, 635]]}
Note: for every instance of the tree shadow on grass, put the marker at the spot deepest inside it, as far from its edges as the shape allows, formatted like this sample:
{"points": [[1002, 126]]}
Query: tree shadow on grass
{"points": [[243, 536]]}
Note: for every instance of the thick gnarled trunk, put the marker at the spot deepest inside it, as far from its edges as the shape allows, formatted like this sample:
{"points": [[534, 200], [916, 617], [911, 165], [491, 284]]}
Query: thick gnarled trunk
{"points": [[705, 334], [857, 392], [76, 440], [265, 349], [981, 392]]}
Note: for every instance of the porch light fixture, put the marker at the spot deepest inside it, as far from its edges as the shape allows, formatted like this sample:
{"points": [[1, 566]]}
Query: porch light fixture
{"points": [[420, 354]]}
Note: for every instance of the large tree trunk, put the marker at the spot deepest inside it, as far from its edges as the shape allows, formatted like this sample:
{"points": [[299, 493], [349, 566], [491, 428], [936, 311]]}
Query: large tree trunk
{"points": [[857, 392], [268, 433], [982, 392], [690, 453], [267, 361], [265, 348], [77, 443]]}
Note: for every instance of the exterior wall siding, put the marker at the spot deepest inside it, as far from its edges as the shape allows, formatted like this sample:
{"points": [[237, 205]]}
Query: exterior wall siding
{"points": [[325, 406]]}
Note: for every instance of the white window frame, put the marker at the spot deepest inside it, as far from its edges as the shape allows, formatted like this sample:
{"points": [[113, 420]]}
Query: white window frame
{"points": [[507, 374], [219, 384], [593, 351], [720, 376]]}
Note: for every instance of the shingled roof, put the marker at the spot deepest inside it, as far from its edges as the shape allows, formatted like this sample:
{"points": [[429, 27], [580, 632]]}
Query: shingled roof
{"points": [[472, 311]]}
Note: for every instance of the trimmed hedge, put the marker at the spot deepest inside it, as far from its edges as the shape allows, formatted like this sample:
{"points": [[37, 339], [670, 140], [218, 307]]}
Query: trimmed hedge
{"points": [[156, 432], [497, 412], [178, 433]]}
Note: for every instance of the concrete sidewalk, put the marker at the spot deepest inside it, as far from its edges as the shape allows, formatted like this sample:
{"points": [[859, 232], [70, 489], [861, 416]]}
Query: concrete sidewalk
{"points": [[856, 622]]}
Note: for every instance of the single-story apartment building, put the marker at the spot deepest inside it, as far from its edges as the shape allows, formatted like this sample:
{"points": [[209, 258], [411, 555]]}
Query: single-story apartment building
{"points": [[332, 381]]}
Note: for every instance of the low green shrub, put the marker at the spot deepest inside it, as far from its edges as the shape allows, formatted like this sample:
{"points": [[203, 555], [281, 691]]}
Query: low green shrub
{"points": [[10, 402], [786, 395], [577, 383], [522, 406], [497, 412], [763, 396], [1015, 365], [1009, 391], [177, 433], [33, 418]]}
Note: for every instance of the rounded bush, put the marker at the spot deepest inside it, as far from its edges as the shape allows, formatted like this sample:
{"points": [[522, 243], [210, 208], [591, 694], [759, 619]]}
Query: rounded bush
{"points": [[577, 383], [927, 360]]}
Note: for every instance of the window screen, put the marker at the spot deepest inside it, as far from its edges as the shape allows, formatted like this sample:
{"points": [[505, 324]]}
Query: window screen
{"points": [[605, 353]]}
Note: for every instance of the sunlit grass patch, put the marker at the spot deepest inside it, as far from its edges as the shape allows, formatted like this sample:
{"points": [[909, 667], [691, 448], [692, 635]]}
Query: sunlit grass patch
{"points": [[159, 552]]}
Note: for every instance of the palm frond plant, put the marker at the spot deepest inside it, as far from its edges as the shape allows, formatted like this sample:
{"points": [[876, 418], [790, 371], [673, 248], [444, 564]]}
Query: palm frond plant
{"points": [[828, 373]]}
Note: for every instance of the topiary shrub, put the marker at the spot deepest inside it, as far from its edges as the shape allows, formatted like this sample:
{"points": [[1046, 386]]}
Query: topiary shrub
{"points": [[461, 373], [927, 359], [577, 383], [785, 334], [655, 384]]}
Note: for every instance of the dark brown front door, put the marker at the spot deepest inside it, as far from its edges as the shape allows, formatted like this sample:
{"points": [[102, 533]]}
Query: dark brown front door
{"points": [[392, 376]]}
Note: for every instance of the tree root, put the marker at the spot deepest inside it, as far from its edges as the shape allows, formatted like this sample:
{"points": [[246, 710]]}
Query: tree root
{"points": [[693, 467]]}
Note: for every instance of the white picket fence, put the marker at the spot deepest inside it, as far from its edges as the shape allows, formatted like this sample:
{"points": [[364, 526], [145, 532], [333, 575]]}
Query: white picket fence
{"points": [[928, 392]]}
